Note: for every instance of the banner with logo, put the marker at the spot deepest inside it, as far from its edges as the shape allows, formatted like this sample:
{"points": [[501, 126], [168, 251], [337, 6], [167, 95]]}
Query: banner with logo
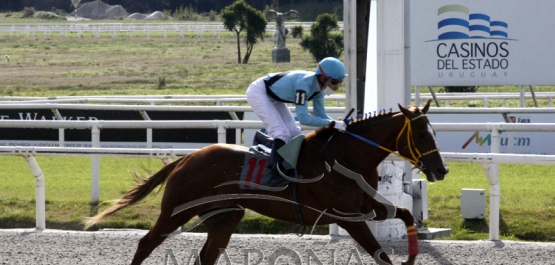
{"points": [[481, 141], [113, 138], [482, 42]]}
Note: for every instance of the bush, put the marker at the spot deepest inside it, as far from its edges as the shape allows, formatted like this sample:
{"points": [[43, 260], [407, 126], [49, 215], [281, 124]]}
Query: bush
{"points": [[297, 31], [186, 13], [322, 42], [161, 82], [48, 15], [28, 12], [461, 88]]}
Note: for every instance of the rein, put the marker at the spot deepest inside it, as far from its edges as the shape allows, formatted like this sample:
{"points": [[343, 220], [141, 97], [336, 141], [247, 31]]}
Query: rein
{"points": [[415, 153]]}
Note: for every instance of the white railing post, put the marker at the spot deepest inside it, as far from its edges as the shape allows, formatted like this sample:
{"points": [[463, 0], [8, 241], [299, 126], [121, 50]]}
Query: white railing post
{"points": [[40, 194], [417, 96], [61, 131], [492, 174], [149, 130], [221, 132], [95, 171], [522, 97]]}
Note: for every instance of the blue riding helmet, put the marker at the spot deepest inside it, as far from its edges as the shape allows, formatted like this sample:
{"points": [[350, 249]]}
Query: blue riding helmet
{"points": [[331, 67]]}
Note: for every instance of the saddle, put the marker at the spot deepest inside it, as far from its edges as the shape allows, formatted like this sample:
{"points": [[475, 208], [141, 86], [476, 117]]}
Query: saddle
{"points": [[290, 154], [256, 173]]}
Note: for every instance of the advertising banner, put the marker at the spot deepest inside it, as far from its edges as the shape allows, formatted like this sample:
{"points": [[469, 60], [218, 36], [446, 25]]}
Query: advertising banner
{"points": [[113, 138], [481, 141], [482, 42]]}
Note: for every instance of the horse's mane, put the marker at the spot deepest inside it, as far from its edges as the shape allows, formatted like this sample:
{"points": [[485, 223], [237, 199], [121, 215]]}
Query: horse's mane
{"points": [[376, 117], [368, 118], [362, 119]]}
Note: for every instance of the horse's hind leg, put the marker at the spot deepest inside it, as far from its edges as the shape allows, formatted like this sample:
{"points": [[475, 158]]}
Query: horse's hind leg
{"points": [[219, 228], [361, 233], [165, 225]]}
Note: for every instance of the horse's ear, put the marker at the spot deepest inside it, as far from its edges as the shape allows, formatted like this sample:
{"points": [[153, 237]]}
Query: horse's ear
{"points": [[405, 111], [425, 109]]}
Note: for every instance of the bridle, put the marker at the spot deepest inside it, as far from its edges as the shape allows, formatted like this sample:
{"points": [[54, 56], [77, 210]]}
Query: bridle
{"points": [[414, 152]]}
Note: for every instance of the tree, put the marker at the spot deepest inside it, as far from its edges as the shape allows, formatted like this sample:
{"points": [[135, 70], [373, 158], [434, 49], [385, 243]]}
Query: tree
{"points": [[239, 17], [322, 42]]}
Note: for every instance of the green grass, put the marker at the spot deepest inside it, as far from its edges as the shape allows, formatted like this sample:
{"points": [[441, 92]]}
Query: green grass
{"points": [[527, 202]]}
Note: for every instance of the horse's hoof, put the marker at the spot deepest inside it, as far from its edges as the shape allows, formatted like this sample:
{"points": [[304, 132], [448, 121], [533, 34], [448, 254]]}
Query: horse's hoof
{"points": [[410, 261]]}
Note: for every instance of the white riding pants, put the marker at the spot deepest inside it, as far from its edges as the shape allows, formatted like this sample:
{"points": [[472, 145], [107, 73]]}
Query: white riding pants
{"points": [[276, 117]]}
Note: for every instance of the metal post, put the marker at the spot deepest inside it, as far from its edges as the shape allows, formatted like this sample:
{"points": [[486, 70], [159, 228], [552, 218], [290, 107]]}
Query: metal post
{"points": [[533, 92], [221, 133], [522, 97], [417, 95], [149, 130], [40, 194], [95, 171], [61, 131], [238, 136], [434, 96], [492, 174]]}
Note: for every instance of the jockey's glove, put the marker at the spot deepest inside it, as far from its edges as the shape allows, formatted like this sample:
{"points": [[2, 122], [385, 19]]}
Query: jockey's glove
{"points": [[340, 125]]}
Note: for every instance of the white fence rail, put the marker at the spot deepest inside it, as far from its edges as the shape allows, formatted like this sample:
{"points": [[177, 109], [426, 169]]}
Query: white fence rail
{"points": [[485, 97], [130, 29], [489, 161], [220, 100]]}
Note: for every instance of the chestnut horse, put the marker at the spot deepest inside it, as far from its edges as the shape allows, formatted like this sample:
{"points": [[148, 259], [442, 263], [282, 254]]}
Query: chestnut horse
{"points": [[338, 185]]}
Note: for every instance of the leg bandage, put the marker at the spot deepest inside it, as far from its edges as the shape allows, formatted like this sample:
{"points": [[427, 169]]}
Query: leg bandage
{"points": [[413, 240]]}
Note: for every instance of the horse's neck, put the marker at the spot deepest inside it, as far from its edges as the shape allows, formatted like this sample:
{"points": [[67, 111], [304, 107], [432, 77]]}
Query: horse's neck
{"points": [[364, 156]]}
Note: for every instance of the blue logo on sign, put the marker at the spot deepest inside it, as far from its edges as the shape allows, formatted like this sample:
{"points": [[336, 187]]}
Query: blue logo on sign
{"points": [[456, 22]]}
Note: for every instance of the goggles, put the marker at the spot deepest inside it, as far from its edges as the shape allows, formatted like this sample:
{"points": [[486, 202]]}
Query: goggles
{"points": [[335, 81]]}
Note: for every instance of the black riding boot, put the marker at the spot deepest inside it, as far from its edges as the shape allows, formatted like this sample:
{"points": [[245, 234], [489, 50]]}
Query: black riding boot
{"points": [[275, 158]]}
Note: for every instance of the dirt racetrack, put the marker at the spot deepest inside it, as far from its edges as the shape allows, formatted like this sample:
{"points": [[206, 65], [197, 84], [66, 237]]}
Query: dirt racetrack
{"points": [[24, 246]]}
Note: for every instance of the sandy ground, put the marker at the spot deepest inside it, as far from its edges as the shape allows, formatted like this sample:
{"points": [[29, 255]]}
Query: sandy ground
{"points": [[25, 246]]}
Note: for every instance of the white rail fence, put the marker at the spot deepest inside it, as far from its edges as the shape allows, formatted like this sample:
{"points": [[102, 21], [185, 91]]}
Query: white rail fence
{"points": [[417, 97], [143, 110], [221, 100], [217, 100], [131, 29], [489, 161]]}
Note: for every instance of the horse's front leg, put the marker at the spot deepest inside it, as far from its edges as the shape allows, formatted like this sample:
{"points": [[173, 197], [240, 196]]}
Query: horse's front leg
{"points": [[406, 216], [361, 233]]}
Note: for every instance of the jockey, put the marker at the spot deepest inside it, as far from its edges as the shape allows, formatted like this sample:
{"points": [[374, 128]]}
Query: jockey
{"points": [[269, 94]]}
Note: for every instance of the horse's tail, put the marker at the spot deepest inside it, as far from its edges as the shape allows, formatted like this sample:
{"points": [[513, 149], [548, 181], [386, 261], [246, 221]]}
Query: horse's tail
{"points": [[139, 192]]}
